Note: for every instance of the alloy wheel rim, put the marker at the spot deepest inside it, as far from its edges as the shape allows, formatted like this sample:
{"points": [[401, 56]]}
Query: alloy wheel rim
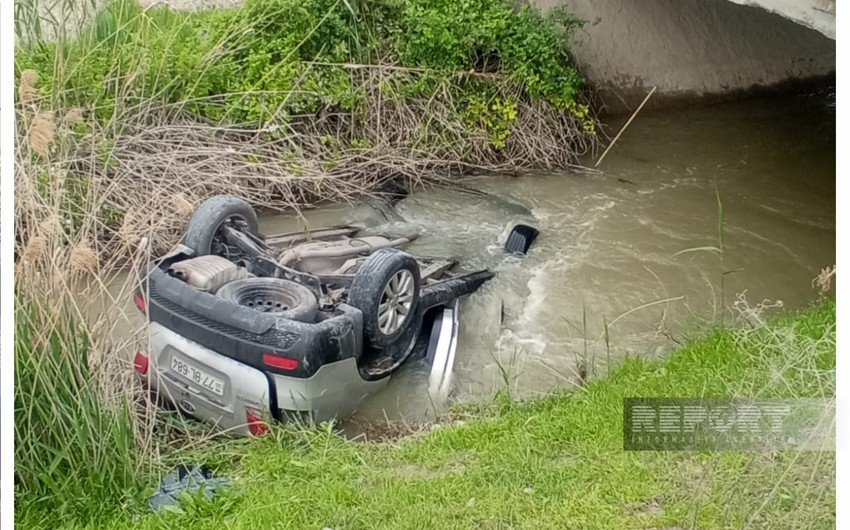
{"points": [[396, 302]]}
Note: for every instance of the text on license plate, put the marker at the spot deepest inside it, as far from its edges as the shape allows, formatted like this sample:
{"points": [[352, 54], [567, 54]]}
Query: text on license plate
{"points": [[197, 376]]}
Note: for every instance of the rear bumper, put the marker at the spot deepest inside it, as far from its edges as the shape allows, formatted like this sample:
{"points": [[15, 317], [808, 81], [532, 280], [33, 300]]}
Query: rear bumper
{"points": [[243, 387], [334, 391]]}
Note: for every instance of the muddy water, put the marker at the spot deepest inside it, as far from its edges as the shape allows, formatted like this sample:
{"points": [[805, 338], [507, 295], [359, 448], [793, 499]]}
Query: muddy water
{"points": [[608, 247]]}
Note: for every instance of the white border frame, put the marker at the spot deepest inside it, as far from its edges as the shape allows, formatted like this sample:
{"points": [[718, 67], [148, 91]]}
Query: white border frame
{"points": [[7, 268], [7, 210], [842, 221]]}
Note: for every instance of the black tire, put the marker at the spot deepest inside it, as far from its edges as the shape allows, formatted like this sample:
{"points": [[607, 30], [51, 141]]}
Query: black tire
{"points": [[282, 298], [209, 217], [367, 294]]}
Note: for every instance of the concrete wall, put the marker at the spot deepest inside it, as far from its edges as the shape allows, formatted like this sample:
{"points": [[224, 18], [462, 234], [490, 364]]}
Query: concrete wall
{"points": [[689, 49], [816, 14]]}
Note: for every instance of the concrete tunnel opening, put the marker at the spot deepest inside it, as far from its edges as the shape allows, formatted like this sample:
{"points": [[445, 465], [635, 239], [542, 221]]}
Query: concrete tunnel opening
{"points": [[699, 50]]}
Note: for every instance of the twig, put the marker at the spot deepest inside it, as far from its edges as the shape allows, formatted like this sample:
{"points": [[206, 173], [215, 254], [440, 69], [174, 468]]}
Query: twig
{"points": [[635, 113], [397, 68], [644, 306]]}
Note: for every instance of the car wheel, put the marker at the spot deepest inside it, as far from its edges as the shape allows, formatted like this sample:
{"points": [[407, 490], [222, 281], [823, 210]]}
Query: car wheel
{"points": [[386, 291], [282, 298], [202, 234]]}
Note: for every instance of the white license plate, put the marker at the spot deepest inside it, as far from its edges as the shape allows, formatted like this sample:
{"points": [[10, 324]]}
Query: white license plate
{"points": [[197, 376]]}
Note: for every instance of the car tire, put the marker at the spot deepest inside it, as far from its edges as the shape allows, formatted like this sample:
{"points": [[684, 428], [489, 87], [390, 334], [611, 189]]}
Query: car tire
{"points": [[211, 215], [386, 291], [281, 298]]}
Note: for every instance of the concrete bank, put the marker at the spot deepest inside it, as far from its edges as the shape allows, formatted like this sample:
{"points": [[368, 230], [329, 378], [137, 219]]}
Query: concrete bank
{"points": [[690, 49]]}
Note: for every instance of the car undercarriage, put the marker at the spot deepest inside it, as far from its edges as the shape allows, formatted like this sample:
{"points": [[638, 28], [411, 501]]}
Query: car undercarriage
{"points": [[244, 327]]}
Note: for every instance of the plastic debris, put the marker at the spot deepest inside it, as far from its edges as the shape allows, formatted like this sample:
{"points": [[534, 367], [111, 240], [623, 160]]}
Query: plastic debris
{"points": [[185, 480]]}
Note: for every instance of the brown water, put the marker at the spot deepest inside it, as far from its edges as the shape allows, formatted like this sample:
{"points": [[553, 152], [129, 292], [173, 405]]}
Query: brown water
{"points": [[608, 244]]}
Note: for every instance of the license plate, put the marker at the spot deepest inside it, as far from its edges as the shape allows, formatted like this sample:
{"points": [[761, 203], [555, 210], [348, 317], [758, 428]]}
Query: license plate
{"points": [[197, 376]]}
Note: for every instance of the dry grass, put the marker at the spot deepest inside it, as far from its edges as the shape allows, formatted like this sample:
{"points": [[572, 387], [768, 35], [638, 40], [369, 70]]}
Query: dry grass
{"points": [[143, 174], [823, 281], [26, 90], [41, 131]]}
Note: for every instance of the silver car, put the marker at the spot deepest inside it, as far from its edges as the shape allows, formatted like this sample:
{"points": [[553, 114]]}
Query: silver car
{"points": [[245, 328]]}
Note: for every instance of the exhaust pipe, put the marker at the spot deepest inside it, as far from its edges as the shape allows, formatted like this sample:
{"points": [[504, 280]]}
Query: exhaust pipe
{"points": [[355, 247]]}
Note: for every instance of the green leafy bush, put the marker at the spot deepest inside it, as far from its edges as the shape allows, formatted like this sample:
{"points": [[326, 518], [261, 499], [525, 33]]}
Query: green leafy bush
{"points": [[492, 34], [271, 59], [494, 116]]}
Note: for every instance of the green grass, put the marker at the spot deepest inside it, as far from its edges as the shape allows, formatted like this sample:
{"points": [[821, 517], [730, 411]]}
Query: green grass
{"points": [[555, 462], [75, 456]]}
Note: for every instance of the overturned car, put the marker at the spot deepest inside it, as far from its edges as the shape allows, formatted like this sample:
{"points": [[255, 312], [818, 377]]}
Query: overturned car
{"points": [[295, 326]]}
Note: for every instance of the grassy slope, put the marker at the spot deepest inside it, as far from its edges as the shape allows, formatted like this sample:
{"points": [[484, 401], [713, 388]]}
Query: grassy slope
{"points": [[552, 463]]}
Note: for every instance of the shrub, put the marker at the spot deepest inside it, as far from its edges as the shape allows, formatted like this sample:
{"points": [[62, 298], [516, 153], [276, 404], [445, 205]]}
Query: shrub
{"points": [[271, 59], [492, 36]]}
